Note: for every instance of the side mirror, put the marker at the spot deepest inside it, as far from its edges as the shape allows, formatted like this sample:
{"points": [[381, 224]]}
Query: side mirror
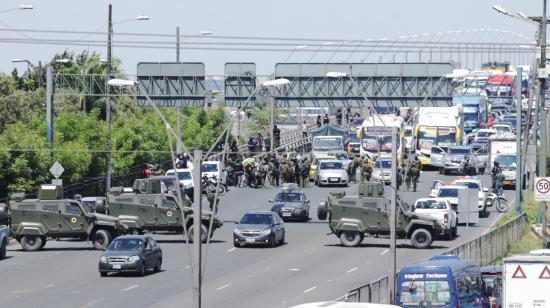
{"points": [[307, 201]]}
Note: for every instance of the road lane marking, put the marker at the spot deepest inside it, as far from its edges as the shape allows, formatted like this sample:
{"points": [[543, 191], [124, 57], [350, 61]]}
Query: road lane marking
{"points": [[353, 269], [309, 250], [232, 249], [130, 288], [89, 304], [49, 286], [310, 289], [223, 287], [384, 252], [293, 269], [188, 267], [267, 268], [21, 291]]}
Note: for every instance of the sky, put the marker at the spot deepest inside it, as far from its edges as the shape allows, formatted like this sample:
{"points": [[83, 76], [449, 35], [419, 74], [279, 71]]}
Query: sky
{"points": [[324, 19]]}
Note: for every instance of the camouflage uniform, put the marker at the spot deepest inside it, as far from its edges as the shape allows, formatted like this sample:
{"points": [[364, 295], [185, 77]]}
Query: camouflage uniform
{"points": [[355, 164], [262, 172], [271, 170], [305, 173], [366, 173], [415, 172]]}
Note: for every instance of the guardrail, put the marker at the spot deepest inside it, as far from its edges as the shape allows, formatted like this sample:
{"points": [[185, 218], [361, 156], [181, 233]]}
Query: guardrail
{"points": [[485, 249]]}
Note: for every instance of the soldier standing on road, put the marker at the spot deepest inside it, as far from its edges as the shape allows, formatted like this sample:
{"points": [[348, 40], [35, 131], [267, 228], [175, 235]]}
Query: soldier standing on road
{"points": [[262, 172], [355, 164], [297, 172], [210, 196], [408, 179], [367, 171], [305, 173], [271, 172], [276, 136], [415, 172]]}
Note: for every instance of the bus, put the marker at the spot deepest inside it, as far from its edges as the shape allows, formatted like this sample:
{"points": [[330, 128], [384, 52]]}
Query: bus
{"points": [[441, 281], [375, 135], [437, 126]]}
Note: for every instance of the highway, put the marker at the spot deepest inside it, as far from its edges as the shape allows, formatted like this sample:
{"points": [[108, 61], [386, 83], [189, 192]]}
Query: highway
{"points": [[311, 266]]}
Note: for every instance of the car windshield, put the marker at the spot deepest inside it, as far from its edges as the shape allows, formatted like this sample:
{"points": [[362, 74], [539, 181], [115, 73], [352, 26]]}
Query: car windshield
{"points": [[431, 204], [502, 128], [506, 161], [289, 197], [331, 165], [435, 292], [384, 164], [469, 184], [485, 134], [209, 168], [332, 143], [256, 219], [340, 156], [459, 150], [448, 193], [480, 149], [125, 244], [182, 175]]}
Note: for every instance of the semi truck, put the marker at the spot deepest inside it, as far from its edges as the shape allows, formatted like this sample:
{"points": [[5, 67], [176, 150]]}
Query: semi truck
{"points": [[474, 110], [437, 126], [526, 280], [502, 149]]}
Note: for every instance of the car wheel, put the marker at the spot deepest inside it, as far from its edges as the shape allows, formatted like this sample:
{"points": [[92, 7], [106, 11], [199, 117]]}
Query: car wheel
{"points": [[203, 231], [441, 170], [31, 242], [103, 274], [282, 241], [322, 211], [306, 216], [236, 245], [272, 241], [484, 213], [455, 231], [142, 269], [421, 238], [350, 238], [3, 249], [158, 267], [102, 238], [449, 235], [482, 171], [445, 172]]}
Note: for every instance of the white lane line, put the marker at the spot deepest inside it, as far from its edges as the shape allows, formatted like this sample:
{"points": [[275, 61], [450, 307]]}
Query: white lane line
{"points": [[293, 269], [188, 267], [267, 268], [130, 288], [21, 291], [384, 252], [232, 249], [223, 287], [309, 250], [49, 286], [353, 269], [310, 289]]}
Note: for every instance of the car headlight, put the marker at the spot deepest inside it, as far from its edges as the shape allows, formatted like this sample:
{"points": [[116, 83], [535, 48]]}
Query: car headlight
{"points": [[133, 258], [237, 231], [103, 259], [266, 232]]}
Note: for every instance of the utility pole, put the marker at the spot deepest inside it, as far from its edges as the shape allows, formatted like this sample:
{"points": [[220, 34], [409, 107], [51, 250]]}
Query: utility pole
{"points": [[49, 106], [271, 123], [178, 108], [108, 103], [197, 211], [393, 209], [542, 78], [519, 174]]}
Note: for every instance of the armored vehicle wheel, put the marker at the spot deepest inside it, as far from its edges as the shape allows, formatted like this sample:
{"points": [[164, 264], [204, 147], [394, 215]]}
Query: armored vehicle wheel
{"points": [[351, 238], [421, 238], [322, 211], [44, 241], [31, 242], [101, 239], [191, 233], [158, 266], [3, 250]]}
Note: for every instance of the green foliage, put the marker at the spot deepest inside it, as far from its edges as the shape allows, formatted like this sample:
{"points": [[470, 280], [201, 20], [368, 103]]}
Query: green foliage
{"points": [[259, 118]]}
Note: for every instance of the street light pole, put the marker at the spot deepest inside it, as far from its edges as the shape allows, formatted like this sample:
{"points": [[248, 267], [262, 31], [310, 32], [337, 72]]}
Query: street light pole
{"points": [[178, 108], [519, 174], [393, 216], [543, 75], [108, 103]]}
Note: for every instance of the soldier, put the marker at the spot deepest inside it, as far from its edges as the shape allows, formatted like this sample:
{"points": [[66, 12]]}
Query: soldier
{"points": [[297, 172], [210, 196], [305, 173], [408, 179], [271, 171], [415, 172], [262, 173], [366, 173], [356, 163]]}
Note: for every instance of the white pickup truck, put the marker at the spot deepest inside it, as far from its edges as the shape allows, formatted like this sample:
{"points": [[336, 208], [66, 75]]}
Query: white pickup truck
{"points": [[439, 210]]}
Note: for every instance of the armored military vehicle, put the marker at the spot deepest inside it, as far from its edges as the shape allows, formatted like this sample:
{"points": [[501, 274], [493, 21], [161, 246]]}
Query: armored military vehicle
{"points": [[353, 217], [153, 206], [33, 221]]}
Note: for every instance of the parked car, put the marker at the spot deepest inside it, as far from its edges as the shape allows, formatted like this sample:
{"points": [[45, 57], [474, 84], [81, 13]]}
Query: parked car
{"points": [[291, 203], [437, 156], [481, 150], [475, 183], [381, 170], [449, 193], [456, 158], [315, 164], [331, 172], [440, 210], [503, 127], [212, 169], [341, 156], [485, 133], [259, 228], [184, 175], [131, 253]]}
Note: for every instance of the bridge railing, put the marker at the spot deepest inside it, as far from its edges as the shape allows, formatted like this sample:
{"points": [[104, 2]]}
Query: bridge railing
{"points": [[486, 249]]}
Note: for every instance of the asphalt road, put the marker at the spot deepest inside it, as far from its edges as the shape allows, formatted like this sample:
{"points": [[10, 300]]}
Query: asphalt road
{"points": [[311, 266]]}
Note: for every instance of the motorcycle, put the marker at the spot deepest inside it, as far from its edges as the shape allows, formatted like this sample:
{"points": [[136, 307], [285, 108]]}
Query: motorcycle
{"points": [[209, 184], [500, 203]]}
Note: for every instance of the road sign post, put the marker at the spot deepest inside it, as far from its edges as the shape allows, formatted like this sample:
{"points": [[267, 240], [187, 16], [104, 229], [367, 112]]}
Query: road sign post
{"points": [[542, 189]]}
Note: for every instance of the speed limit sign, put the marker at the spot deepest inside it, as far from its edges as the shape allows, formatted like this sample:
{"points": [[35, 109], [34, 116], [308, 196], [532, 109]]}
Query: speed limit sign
{"points": [[542, 189]]}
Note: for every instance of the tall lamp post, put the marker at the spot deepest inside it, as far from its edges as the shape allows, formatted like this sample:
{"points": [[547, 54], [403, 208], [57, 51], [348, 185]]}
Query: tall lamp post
{"points": [[108, 90], [542, 76], [273, 84]]}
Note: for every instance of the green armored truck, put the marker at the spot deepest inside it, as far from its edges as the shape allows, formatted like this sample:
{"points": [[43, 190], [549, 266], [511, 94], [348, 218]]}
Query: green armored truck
{"points": [[353, 217], [152, 205], [50, 216]]}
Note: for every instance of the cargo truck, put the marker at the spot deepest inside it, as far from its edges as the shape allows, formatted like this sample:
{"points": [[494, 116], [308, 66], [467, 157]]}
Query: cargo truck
{"points": [[502, 149], [526, 280]]}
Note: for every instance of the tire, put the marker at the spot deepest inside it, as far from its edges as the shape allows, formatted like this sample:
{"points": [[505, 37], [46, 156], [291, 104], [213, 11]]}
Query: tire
{"points": [[484, 213], [501, 205], [421, 238], [449, 235], [44, 240], [101, 239], [203, 231], [454, 231], [103, 274], [441, 170], [351, 238], [3, 250], [306, 217], [272, 241], [236, 245], [31, 242], [142, 269], [282, 241], [481, 171], [322, 211], [158, 266], [222, 190], [445, 172]]}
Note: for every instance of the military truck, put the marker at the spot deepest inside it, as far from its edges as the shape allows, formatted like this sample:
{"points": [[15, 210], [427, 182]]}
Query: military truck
{"points": [[34, 221], [353, 217], [152, 205]]}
